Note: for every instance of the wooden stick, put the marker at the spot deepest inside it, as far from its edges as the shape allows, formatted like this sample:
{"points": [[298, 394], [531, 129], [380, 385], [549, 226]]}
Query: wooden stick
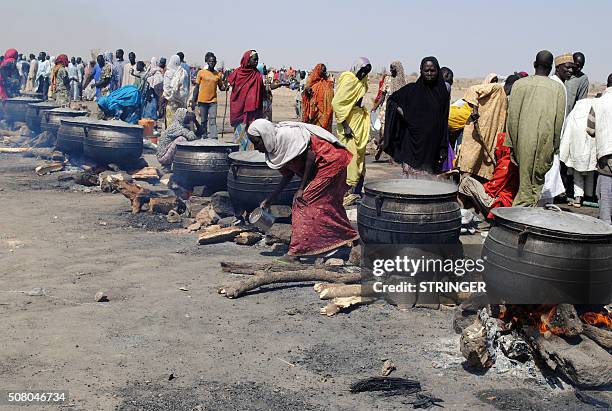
{"points": [[331, 291], [251, 269], [265, 278], [14, 149], [338, 303]]}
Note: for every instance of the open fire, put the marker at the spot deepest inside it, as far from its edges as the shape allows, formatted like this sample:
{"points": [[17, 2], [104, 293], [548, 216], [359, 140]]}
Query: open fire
{"points": [[573, 341]]}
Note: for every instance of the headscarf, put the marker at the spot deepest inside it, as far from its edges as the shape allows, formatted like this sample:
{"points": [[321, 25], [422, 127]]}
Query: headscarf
{"points": [[420, 138], [176, 82], [177, 128], [62, 59], [173, 64], [108, 57], [247, 90], [10, 56], [359, 63], [488, 78], [287, 140], [319, 106], [58, 62], [154, 76], [399, 81]]}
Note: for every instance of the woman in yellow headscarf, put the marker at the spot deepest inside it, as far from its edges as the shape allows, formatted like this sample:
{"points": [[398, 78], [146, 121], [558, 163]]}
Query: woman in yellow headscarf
{"points": [[353, 121]]}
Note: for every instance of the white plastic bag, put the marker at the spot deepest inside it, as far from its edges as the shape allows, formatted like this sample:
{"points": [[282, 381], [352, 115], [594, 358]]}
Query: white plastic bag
{"points": [[553, 184]]}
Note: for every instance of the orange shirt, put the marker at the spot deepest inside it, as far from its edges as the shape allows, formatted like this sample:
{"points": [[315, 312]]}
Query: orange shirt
{"points": [[208, 81]]}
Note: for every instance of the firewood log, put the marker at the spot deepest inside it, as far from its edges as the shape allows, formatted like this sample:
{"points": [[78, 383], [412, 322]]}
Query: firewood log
{"points": [[265, 278]]}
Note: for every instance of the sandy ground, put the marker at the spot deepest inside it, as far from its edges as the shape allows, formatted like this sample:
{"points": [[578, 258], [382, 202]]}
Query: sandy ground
{"points": [[156, 347]]}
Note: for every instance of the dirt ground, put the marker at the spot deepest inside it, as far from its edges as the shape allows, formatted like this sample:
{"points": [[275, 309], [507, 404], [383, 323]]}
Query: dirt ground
{"points": [[154, 346]]}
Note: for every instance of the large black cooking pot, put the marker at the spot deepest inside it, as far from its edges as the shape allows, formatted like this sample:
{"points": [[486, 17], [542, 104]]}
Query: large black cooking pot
{"points": [[113, 141], [250, 181], [33, 114], [15, 108], [548, 256], [203, 163], [71, 134], [50, 119], [31, 94], [409, 211]]}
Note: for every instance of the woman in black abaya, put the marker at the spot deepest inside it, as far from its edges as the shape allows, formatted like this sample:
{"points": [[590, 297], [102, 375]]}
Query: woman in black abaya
{"points": [[416, 129]]}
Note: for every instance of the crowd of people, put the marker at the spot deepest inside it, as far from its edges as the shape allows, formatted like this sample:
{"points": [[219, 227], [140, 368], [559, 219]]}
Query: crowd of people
{"points": [[521, 140]]}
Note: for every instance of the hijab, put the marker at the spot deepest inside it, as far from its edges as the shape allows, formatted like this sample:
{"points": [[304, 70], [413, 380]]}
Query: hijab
{"points": [[399, 81], [247, 90], [287, 140], [10, 56], [420, 138], [488, 78], [62, 59], [359, 63]]}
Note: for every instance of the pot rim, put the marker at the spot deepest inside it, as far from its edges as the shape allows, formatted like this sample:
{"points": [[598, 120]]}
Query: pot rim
{"points": [[503, 219], [445, 190]]}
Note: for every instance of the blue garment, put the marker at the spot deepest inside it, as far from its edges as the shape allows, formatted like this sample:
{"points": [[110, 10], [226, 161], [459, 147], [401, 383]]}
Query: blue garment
{"points": [[97, 71], [123, 103]]}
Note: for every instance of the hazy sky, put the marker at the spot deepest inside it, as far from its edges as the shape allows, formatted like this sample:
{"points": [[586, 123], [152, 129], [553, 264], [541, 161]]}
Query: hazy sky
{"points": [[472, 37]]}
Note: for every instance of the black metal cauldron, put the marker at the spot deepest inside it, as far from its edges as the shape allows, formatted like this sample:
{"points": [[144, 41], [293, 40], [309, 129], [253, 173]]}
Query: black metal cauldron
{"points": [[250, 181], [113, 141], [71, 134], [14, 109], [203, 163], [548, 256], [50, 119], [33, 116], [409, 211]]}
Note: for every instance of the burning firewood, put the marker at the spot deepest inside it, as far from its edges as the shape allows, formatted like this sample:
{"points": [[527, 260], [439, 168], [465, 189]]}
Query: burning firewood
{"points": [[266, 278], [584, 363], [600, 336]]}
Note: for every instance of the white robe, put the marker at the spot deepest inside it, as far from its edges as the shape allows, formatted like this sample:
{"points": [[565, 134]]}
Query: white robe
{"points": [[553, 184], [578, 149]]}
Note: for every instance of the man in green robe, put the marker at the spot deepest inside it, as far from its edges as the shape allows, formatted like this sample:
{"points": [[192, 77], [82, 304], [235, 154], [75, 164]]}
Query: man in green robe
{"points": [[535, 117]]}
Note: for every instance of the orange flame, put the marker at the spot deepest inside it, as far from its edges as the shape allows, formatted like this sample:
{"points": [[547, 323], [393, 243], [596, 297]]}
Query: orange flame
{"points": [[597, 319]]}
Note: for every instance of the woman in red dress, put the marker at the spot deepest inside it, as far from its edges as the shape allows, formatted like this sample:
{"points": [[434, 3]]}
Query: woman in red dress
{"points": [[319, 222]]}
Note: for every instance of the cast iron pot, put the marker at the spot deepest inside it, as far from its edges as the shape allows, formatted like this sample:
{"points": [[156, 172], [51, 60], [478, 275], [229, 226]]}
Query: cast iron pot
{"points": [[50, 119], [113, 141], [15, 108], [203, 163], [33, 114], [548, 256], [409, 211], [250, 181], [71, 134]]}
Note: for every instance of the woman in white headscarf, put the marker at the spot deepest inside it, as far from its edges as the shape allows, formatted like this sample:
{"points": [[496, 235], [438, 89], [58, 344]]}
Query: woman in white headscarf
{"points": [[153, 89], [319, 222], [176, 87]]}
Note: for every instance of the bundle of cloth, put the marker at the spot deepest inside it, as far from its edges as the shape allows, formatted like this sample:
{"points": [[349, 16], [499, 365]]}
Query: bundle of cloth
{"points": [[123, 104]]}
